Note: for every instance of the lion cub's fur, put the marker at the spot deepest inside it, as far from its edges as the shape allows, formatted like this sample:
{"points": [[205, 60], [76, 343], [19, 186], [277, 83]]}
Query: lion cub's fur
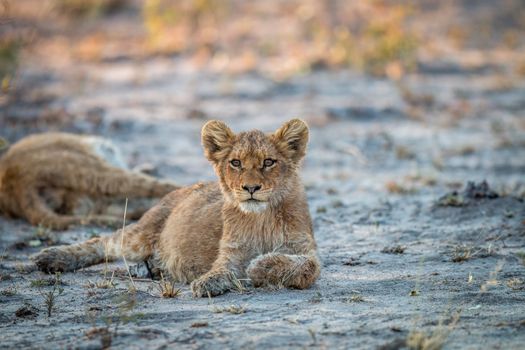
{"points": [[212, 233], [50, 178]]}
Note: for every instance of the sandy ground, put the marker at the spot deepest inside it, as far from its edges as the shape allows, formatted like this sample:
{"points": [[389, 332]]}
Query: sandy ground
{"points": [[396, 264]]}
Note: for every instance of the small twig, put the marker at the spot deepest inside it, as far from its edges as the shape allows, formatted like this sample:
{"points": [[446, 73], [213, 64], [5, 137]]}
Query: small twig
{"points": [[122, 244]]}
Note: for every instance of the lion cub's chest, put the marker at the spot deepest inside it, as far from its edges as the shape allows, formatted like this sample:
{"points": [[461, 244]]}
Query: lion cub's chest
{"points": [[256, 237]]}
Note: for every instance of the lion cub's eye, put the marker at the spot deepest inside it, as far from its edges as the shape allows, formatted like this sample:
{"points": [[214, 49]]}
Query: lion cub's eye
{"points": [[268, 163], [235, 163]]}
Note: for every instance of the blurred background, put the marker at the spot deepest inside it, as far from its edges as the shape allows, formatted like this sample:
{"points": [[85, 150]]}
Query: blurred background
{"points": [[419, 82], [276, 39]]}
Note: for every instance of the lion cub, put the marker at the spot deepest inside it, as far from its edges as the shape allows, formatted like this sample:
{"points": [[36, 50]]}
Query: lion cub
{"points": [[49, 178], [253, 223]]}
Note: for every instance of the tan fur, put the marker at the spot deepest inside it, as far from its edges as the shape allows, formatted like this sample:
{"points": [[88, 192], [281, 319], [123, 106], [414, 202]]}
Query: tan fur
{"points": [[204, 233], [48, 178]]}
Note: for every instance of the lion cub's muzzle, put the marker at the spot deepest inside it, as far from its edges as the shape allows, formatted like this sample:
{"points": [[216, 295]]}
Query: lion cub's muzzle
{"points": [[252, 198], [253, 193]]}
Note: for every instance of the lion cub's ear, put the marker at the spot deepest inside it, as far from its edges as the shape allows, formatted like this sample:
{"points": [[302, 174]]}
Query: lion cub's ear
{"points": [[291, 139], [217, 139]]}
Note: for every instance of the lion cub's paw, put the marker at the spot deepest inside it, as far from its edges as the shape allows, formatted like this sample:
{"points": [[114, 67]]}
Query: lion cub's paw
{"points": [[52, 260], [211, 284], [266, 270]]}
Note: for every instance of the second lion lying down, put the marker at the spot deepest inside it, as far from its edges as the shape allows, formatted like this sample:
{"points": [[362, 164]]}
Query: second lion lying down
{"points": [[254, 222]]}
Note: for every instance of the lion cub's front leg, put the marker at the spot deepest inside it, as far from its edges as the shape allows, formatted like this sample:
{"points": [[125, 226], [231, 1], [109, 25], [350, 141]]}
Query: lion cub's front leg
{"points": [[213, 283], [223, 275], [284, 270]]}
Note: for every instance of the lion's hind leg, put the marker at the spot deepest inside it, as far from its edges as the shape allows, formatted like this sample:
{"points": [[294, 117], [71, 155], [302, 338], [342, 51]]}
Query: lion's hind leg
{"points": [[122, 243], [37, 212], [136, 242]]}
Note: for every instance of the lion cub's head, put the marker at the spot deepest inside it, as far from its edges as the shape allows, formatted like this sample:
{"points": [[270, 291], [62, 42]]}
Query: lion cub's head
{"points": [[255, 169]]}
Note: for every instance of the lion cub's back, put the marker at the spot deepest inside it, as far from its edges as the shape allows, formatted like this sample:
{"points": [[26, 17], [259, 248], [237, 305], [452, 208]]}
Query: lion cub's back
{"points": [[189, 243], [28, 164], [48, 147]]}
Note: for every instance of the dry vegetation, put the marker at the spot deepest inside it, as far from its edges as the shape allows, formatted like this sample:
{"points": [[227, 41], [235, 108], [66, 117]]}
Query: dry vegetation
{"points": [[240, 36], [236, 36], [168, 289], [232, 309], [50, 296]]}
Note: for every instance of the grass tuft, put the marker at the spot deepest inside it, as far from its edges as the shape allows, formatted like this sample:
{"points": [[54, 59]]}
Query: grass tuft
{"points": [[104, 283], [433, 340], [76, 9], [354, 298], [521, 255], [9, 291], [232, 309], [394, 250], [167, 288], [452, 199], [516, 284], [398, 188], [51, 295], [461, 253]]}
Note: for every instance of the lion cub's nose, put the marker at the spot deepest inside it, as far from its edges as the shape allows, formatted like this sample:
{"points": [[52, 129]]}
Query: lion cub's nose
{"points": [[251, 188]]}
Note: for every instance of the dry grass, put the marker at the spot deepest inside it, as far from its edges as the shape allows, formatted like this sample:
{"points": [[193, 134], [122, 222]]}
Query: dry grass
{"points": [[104, 283], [44, 282], [460, 150], [27, 311], [394, 250], [453, 199], [378, 41], [415, 99], [425, 179], [403, 152], [516, 284], [76, 9], [414, 293], [438, 162], [321, 209], [238, 285], [43, 235], [399, 188], [132, 285], [51, 295], [234, 36], [124, 314], [461, 253], [493, 278], [317, 298], [3, 276], [521, 255], [3, 144], [313, 335], [106, 338], [418, 340], [10, 49], [355, 298], [232, 309], [434, 339], [9, 291], [167, 288]]}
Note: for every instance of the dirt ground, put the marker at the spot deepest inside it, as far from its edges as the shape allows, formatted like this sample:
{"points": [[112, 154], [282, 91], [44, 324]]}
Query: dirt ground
{"points": [[410, 258]]}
